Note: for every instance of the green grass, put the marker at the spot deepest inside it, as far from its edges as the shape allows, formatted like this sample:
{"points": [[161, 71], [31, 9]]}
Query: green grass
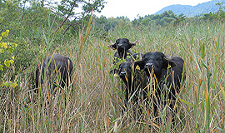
{"points": [[95, 99]]}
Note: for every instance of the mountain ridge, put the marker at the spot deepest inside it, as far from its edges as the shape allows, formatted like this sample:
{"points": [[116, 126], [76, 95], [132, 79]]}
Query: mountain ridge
{"points": [[191, 11]]}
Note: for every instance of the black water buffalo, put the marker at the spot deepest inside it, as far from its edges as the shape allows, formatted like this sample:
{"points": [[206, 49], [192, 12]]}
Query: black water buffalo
{"points": [[122, 45], [165, 71], [134, 79], [56, 70]]}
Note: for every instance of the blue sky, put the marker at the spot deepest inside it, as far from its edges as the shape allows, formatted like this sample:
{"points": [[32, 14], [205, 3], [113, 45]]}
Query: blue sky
{"points": [[131, 8]]}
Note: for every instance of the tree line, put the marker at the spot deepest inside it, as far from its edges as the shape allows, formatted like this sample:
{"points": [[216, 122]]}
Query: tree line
{"points": [[32, 15], [41, 22]]}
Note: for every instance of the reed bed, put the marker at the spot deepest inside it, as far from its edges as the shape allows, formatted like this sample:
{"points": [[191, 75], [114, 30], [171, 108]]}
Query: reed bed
{"points": [[94, 100]]}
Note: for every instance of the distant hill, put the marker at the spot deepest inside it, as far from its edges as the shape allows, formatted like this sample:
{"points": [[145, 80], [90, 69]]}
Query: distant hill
{"points": [[188, 10]]}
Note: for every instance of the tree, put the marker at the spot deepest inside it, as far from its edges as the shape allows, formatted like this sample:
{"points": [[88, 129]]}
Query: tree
{"points": [[146, 21], [67, 9], [221, 7], [165, 14], [221, 10], [179, 19], [220, 15]]}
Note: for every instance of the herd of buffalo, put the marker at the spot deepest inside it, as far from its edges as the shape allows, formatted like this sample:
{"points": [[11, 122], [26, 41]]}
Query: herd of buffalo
{"points": [[139, 72]]}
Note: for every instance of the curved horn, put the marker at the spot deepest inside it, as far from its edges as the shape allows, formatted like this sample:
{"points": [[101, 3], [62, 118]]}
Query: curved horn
{"points": [[140, 56], [111, 42], [169, 57], [133, 42]]}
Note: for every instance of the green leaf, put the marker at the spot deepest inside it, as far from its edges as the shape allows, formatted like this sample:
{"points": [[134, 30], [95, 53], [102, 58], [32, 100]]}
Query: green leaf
{"points": [[14, 45], [221, 129], [186, 102], [202, 49], [196, 61], [10, 49], [2, 50], [4, 34], [7, 63], [1, 67]]}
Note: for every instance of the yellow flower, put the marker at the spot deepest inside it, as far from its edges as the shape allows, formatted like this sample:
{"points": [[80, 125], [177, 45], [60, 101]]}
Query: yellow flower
{"points": [[169, 66], [4, 34], [137, 67], [13, 57], [11, 61], [13, 85], [116, 75], [5, 45]]}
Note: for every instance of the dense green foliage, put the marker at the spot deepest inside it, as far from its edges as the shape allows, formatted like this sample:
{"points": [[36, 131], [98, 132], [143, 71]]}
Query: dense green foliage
{"points": [[94, 99], [7, 50]]}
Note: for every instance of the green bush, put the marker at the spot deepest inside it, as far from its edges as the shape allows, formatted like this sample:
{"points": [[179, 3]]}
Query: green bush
{"points": [[7, 52]]}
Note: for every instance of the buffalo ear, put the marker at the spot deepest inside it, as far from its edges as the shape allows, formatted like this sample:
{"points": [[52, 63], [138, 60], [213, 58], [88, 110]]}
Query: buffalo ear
{"points": [[113, 46], [168, 64], [114, 71], [131, 44], [139, 65]]}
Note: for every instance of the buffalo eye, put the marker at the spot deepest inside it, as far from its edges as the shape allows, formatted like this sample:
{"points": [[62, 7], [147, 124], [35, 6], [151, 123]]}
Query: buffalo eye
{"points": [[145, 59]]}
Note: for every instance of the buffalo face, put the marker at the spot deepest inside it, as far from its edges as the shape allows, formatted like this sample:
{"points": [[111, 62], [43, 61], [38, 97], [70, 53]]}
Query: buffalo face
{"points": [[155, 62], [122, 45], [125, 72]]}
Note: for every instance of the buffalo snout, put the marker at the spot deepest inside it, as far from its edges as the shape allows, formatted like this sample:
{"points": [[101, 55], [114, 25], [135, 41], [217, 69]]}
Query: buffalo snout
{"points": [[149, 65], [122, 74]]}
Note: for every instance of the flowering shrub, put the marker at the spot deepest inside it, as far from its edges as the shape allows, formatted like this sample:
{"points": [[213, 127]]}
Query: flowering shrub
{"points": [[9, 48]]}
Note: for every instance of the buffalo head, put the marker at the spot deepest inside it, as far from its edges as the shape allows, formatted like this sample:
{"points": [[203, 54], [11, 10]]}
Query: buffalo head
{"points": [[122, 45], [155, 62]]}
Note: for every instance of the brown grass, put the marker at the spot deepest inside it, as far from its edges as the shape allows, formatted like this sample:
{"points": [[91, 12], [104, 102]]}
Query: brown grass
{"points": [[95, 98]]}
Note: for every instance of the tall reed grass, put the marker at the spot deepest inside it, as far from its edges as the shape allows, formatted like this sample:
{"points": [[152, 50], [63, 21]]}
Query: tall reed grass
{"points": [[95, 99]]}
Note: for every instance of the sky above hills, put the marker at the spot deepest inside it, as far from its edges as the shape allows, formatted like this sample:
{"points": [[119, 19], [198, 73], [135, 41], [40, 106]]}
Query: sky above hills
{"points": [[133, 8]]}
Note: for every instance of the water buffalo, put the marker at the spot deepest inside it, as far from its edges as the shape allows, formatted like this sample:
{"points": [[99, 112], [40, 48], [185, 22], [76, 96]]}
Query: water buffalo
{"points": [[134, 80], [56, 70], [122, 45], [165, 71]]}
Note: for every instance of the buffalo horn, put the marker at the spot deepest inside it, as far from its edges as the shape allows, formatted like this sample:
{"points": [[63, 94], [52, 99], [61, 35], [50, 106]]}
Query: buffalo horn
{"points": [[111, 42], [169, 57], [133, 42]]}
